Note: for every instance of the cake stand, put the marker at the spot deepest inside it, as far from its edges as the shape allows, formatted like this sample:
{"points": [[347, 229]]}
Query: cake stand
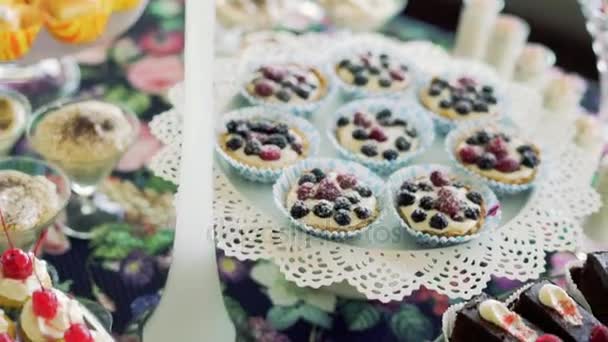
{"points": [[49, 71]]}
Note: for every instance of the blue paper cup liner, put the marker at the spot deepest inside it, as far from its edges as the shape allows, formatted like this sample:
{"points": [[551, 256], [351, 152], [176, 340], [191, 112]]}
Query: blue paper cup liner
{"points": [[493, 208], [463, 131], [305, 109], [291, 175], [257, 174], [458, 68], [410, 111], [363, 44]]}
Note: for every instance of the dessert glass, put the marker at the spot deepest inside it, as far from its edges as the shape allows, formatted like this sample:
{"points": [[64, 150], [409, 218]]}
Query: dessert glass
{"points": [[85, 164], [25, 239], [12, 127]]}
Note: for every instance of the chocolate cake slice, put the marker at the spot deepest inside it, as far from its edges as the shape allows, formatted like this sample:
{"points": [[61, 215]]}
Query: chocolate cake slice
{"points": [[553, 310], [472, 326], [592, 281]]}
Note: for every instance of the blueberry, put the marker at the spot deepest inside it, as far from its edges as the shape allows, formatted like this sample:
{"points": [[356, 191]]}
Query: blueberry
{"points": [[404, 67], [353, 197], [412, 132], [490, 99], [409, 186], [418, 215], [369, 150], [384, 114], [342, 217], [283, 96], [345, 63], [385, 82], [374, 70], [301, 92], [343, 121], [342, 203], [280, 129], [445, 104], [424, 186], [242, 129], [253, 147], [278, 140], [291, 138], [360, 80], [318, 173], [359, 134], [405, 198], [234, 143], [299, 210], [475, 197], [398, 122], [434, 91], [402, 144], [438, 221], [383, 56], [472, 140], [427, 203], [363, 191], [390, 154], [261, 126], [362, 212], [504, 137], [385, 64], [480, 107], [529, 159], [471, 213], [463, 107], [307, 178], [524, 148], [355, 69], [487, 89], [487, 161], [323, 209], [483, 137], [231, 126], [458, 185]]}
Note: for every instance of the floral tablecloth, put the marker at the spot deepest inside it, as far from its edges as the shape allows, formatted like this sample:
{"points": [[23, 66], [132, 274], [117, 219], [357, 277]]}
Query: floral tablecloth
{"points": [[125, 265]]}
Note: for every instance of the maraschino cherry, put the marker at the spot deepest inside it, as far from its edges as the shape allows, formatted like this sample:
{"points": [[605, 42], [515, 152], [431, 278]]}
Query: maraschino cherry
{"points": [[599, 333], [45, 303], [16, 264], [5, 337], [77, 333]]}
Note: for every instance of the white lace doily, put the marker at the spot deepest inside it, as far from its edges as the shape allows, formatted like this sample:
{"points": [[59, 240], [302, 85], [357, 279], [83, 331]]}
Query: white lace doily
{"points": [[549, 221]]}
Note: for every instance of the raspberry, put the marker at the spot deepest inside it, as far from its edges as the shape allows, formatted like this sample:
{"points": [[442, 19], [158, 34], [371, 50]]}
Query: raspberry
{"points": [[346, 180], [507, 165], [468, 155], [275, 74], [264, 89], [270, 152], [599, 333], [78, 333], [305, 191], [45, 303], [438, 178], [362, 119], [447, 202], [467, 81], [378, 134], [16, 264], [328, 190], [397, 75], [548, 338], [498, 147]]}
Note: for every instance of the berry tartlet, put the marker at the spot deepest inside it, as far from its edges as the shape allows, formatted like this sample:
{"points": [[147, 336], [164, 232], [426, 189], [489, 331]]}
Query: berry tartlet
{"points": [[297, 86], [438, 207], [50, 315], [21, 274], [330, 198], [509, 162], [454, 100], [259, 142], [382, 134]]}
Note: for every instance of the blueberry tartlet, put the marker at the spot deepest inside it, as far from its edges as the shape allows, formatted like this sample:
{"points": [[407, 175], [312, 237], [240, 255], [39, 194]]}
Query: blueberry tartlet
{"points": [[377, 136], [287, 84], [498, 156], [461, 99], [440, 205], [332, 201], [264, 143], [372, 71]]}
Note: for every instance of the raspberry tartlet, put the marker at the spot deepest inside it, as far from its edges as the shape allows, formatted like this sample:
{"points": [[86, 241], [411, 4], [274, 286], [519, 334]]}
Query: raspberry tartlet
{"points": [[460, 99], [438, 206], [374, 71], [260, 142], [496, 154], [380, 133], [287, 84]]}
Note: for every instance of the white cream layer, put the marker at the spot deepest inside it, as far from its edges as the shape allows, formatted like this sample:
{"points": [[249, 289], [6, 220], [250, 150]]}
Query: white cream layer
{"points": [[20, 290], [498, 314], [557, 299]]}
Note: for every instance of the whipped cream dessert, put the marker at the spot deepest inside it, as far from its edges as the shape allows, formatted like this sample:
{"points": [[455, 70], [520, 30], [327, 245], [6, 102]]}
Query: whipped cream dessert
{"points": [[69, 312], [18, 287], [463, 98], [380, 136], [374, 71], [439, 205], [26, 201], [85, 138], [264, 143], [287, 83], [499, 156], [332, 201]]}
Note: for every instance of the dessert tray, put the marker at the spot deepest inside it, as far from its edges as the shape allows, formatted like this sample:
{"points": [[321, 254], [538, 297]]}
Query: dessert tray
{"points": [[384, 263]]}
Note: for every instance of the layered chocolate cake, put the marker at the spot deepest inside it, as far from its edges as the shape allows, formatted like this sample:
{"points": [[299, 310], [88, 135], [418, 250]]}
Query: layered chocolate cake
{"points": [[553, 310], [592, 281]]}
